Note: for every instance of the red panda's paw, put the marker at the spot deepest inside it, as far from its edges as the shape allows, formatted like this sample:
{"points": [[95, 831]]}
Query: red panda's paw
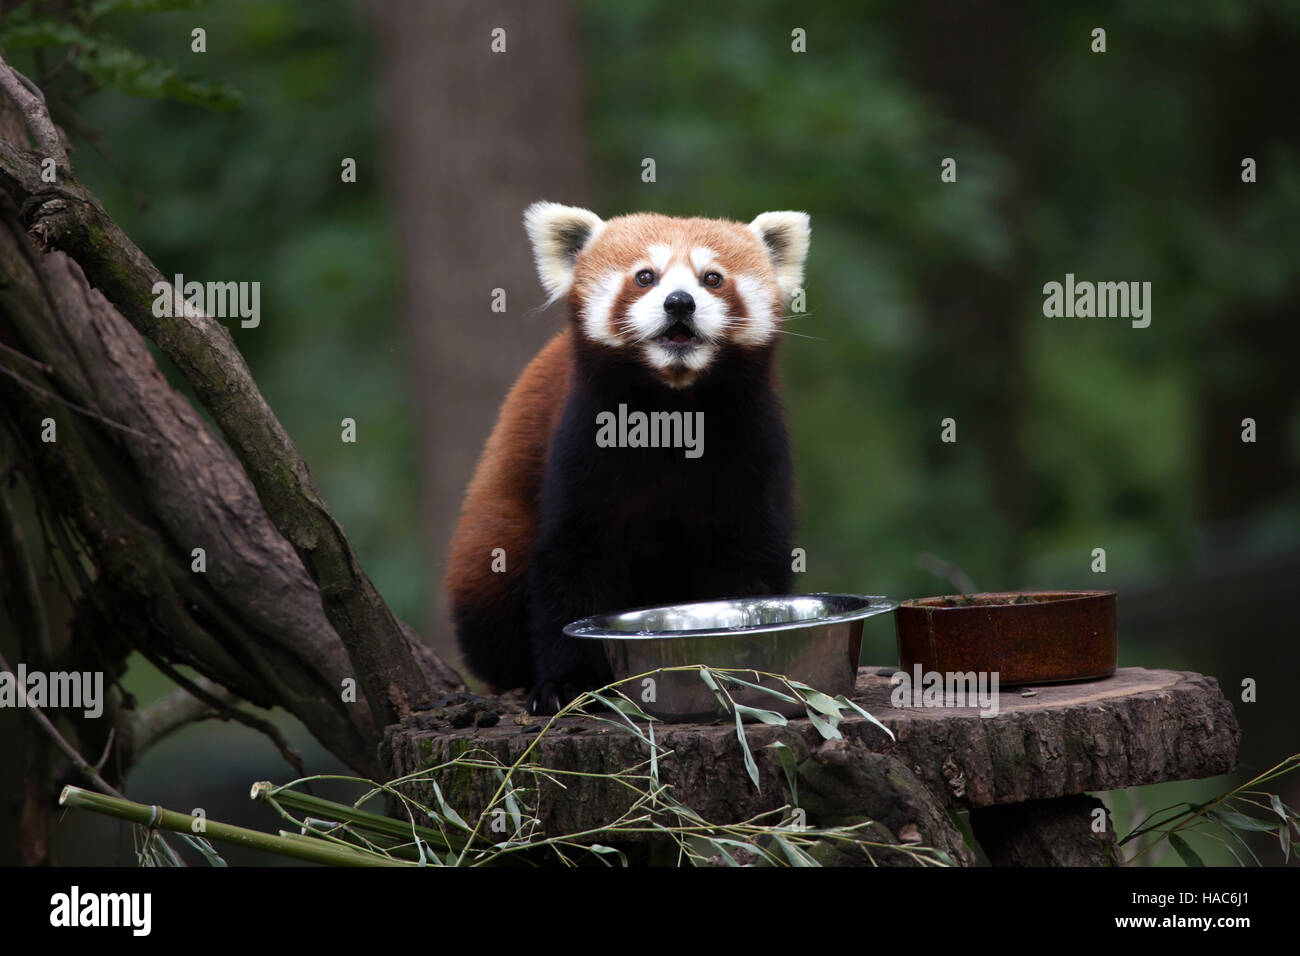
{"points": [[548, 697]]}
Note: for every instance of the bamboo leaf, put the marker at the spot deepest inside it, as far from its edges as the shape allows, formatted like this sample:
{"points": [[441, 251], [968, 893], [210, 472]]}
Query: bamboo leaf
{"points": [[603, 851], [654, 755], [759, 687], [766, 716], [1278, 807], [844, 700], [446, 809], [821, 702], [1239, 821], [791, 768], [750, 767], [616, 708], [824, 726], [794, 854], [1184, 850]]}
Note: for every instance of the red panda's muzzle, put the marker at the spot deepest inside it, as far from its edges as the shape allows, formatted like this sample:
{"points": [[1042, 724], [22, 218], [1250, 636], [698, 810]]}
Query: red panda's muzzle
{"points": [[679, 333]]}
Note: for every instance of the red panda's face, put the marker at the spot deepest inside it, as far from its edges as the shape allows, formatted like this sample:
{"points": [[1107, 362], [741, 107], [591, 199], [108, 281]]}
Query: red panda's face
{"points": [[673, 292]]}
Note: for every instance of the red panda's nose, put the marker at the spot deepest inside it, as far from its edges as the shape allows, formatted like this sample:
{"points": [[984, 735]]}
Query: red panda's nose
{"points": [[679, 304]]}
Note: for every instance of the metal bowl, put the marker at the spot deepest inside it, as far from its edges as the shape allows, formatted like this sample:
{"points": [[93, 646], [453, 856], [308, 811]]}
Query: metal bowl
{"points": [[811, 638]]}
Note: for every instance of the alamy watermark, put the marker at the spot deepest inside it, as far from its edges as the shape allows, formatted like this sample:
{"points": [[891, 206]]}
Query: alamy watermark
{"points": [[74, 908], [220, 300], [1124, 300], [635, 429], [76, 690], [952, 689]]}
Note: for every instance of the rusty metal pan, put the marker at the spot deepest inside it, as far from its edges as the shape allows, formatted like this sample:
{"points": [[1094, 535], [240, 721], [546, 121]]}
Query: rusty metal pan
{"points": [[1027, 637]]}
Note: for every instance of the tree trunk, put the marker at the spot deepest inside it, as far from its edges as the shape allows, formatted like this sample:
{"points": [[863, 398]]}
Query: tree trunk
{"points": [[474, 136]]}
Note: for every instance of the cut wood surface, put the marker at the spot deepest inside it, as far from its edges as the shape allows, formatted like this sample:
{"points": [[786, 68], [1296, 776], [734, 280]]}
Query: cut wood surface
{"points": [[1137, 727]]}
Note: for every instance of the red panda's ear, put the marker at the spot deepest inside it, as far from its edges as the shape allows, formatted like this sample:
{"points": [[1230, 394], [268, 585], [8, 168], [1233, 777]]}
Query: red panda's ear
{"points": [[785, 236], [558, 233]]}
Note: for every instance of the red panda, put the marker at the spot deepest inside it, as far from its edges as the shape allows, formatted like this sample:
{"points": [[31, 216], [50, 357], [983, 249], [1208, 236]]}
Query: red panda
{"points": [[666, 316]]}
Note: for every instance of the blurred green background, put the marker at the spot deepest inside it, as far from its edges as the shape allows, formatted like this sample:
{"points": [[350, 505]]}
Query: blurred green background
{"points": [[924, 298]]}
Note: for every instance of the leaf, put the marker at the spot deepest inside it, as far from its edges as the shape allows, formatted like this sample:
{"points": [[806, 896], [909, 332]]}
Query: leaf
{"points": [[823, 703], [705, 847], [824, 726], [844, 700], [1284, 838], [750, 766], [208, 851], [1239, 821], [512, 805], [796, 856], [766, 716], [602, 851], [791, 768], [626, 705], [1278, 807], [446, 809], [753, 848], [707, 676], [759, 687], [611, 704], [1190, 856], [654, 756]]}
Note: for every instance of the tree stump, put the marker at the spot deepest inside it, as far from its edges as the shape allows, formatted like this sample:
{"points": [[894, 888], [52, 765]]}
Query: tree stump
{"points": [[1021, 772]]}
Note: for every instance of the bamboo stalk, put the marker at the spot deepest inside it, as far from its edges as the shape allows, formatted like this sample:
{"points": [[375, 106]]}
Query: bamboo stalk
{"points": [[363, 819], [155, 817]]}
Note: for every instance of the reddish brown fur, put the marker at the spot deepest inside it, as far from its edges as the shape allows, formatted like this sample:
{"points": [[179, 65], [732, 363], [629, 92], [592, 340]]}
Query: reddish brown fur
{"points": [[500, 509]]}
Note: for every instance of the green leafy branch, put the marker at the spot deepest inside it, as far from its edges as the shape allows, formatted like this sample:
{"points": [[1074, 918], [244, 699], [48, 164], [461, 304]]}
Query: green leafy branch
{"points": [[103, 60], [1229, 815]]}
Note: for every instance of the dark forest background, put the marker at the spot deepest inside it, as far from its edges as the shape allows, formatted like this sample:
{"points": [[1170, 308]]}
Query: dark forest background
{"points": [[924, 298]]}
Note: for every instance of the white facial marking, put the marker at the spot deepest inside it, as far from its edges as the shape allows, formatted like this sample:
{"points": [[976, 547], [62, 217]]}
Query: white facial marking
{"points": [[659, 256], [597, 322], [701, 256], [647, 318], [761, 324], [695, 360]]}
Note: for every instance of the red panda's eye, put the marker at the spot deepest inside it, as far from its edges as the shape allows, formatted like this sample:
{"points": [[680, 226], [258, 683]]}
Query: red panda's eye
{"points": [[712, 280], [645, 277]]}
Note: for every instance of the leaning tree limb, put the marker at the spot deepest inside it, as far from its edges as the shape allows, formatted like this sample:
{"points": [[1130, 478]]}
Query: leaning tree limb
{"points": [[284, 612], [65, 216]]}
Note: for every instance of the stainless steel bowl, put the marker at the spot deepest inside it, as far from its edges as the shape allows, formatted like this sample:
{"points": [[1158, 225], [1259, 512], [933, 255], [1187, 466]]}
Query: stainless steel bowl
{"points": [[811, 638]]}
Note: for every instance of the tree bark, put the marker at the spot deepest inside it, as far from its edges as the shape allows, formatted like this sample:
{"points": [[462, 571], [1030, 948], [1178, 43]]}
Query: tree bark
{"points": [[135, 480]]}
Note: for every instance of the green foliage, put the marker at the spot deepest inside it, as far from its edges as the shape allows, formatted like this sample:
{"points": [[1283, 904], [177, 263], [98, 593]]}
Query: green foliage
{"points": [[1227, 819], [105, 61]]}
